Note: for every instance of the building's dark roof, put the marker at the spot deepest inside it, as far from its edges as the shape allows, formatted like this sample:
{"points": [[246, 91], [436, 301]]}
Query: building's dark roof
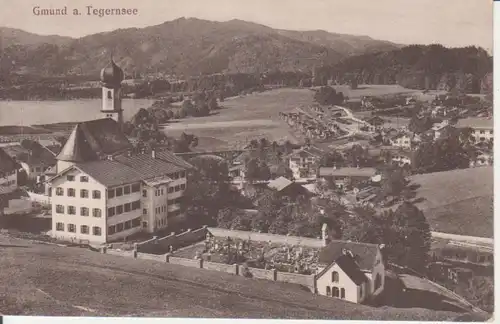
{"points": [[7, 163], [90, 139], [364, 253], [123, 169], [475, 122], [347, 172], [112, 75], [110, 173], [351, 269], [172, 158], [147, 166]]}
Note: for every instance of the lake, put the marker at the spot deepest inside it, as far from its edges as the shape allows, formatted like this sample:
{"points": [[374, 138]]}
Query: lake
{"points": [[46, 112]]}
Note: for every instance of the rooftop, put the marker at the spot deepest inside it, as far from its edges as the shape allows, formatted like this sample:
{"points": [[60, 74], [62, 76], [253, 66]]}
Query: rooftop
{"points": [[475, 122], [351, 269], [279, 183], [7, 163], [364, 253], [347, 172]]}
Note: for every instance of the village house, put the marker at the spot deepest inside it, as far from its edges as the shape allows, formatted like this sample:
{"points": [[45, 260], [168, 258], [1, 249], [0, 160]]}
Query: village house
{"points": [[439, 130], [303, 162], [351, 271], [482, 159], [106, 191], [288, 188], [8, 170], [344, 178], [402, 140], [482, 128]]}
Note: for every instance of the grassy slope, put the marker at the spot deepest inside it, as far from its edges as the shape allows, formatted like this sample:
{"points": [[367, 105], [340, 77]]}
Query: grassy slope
{"points": [[458, 201], [50, 280]]}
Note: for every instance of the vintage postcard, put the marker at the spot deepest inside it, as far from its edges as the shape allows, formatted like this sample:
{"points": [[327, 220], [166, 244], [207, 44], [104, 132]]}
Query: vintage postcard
{"points": [[265, 159]]}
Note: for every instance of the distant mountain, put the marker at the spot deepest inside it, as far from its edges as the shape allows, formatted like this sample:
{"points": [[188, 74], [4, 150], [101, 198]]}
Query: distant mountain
{"points": [[184, 46], [12, 37], [419, 67]]}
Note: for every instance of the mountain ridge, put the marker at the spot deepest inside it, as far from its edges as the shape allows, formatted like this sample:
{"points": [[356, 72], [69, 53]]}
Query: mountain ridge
{"points": [[184, 46]]}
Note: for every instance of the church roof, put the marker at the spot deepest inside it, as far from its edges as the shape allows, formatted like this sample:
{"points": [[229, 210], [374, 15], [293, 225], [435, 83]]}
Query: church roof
{"points": [[7, 163], [112, 75], [90, 139], [364, 253]]}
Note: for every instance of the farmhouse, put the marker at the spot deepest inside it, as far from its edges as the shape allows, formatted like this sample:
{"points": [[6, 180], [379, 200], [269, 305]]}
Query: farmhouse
{"points": [[482, 128], [401, 140], [347, 177], [438, 130], [287, 187], [302, 162]]}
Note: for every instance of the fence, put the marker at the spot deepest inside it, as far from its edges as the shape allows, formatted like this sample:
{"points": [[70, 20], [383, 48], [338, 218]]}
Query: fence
{"points": [[307, 281]]}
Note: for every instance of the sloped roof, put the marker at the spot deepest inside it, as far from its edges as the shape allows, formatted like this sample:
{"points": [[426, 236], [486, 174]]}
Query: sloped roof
{"points": [[148, 166], [364, 253], [7, 163], [311, 150], [351, 269], [110, 173], [279, 183], [475, 122], [90, 139], [347, 172], [172, 158]]}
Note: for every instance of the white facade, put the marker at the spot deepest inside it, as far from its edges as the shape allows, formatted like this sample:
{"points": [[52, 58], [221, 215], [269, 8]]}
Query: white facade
{"points": [[327, 281], [9, 179], [482, 134], [401, 160], [34, 171], [75, 218], [112, 104], [403, 141], [120, 211], [297, 163]]}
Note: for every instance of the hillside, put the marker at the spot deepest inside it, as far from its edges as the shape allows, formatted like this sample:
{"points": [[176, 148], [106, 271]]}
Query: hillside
{"points": [[53, 280], [12, 36], [419, 67], [458, 201], [190, 46]]}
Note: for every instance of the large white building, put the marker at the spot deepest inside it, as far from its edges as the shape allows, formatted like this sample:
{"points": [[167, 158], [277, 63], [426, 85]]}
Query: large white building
{"points": [[482, 128], [105, 190]]}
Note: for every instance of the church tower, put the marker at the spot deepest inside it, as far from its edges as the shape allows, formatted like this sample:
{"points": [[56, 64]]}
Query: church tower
{"points": [[111, 79]]}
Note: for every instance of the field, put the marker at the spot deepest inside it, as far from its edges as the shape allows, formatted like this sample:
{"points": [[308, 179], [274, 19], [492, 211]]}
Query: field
{"points": [[458, 201], [38, 279]]}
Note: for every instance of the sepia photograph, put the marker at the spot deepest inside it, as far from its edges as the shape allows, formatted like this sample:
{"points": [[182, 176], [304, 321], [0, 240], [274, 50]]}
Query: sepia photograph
{"points": [[265, 159]]}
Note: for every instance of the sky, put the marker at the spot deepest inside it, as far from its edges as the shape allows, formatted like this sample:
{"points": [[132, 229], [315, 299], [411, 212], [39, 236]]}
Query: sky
{"points": [[452, 23]]}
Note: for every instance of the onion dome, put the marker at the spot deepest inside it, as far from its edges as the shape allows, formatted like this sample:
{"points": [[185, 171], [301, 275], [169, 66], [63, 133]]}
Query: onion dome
{"points": [[112, 75]]}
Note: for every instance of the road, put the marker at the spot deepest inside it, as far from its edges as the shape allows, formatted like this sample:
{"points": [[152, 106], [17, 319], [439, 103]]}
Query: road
{"points": [[483, 243]]}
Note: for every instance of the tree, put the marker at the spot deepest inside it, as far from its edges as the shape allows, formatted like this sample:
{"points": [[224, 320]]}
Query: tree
{"points": [[264, 171], [393, 182], [328, 96], [420, 124], [408, 238], [188, 109], [212, 103], [252, 172]]}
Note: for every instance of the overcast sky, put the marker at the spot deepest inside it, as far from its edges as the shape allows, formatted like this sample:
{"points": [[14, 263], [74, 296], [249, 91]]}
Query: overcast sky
{"points": [[449, 22]]}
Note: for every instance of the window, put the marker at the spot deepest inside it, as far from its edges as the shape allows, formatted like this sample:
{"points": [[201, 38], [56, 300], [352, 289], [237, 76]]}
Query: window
{"points": [[378, 281], [136, 222], [491, 132], [136, 204], [183, 186], [119, 192], [96, 230], [111, 193], [119, 209], [119, 227], [84, 229], [96, 212], [183, 174], [481, 132], [84, 211], [84, 193], [162, 192], [84, 179], [71, 228], [111, 230], [60, 227], [335, 276], [70, 178], [111, 211], [128, 225], [71, 210], [335, 292], [170, 189], [126, 190], [144, 211], [136, 187], [361, 290], [71, 192], [59, 209], [96, 194], [144, 193], [342, 292], [127, 207], [177, 188]]}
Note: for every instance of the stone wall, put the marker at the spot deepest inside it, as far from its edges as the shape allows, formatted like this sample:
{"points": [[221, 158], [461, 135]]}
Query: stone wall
{"points": [[303, 280], [186, 262], [228, 268], [257, 273], [155, 257]]}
